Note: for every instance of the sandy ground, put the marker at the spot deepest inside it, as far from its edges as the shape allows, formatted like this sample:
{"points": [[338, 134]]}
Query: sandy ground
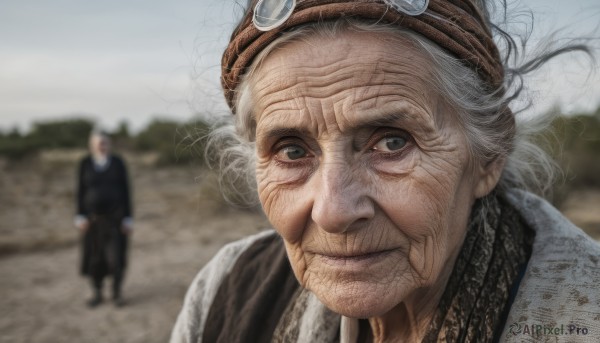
{"points": [[180, 223], [583, 209]]}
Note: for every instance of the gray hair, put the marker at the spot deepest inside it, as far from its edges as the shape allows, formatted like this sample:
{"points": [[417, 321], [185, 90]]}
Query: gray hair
{"points": [[492, 131], [98, 133]]}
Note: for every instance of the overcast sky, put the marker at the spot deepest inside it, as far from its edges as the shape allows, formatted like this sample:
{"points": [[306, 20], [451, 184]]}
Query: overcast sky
{"points": [[133, 60]]}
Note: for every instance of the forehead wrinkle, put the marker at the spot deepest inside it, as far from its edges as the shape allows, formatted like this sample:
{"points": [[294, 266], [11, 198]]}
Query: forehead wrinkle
{"points": [[397, 112], [281, 64], [391, 98], [310, 100], [275, 117], [317, 84], [306, 113], [321, 87], [350, 79]]}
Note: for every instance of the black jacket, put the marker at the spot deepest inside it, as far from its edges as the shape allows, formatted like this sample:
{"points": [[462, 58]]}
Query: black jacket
{"points": [[103, 192]]}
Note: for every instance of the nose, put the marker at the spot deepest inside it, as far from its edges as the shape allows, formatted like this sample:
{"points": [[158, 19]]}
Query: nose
{"points": [[341, 199]]}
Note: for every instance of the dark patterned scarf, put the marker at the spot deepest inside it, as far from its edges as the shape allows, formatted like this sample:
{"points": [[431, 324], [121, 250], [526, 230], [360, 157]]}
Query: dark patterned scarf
{"points": [[476, 300]]}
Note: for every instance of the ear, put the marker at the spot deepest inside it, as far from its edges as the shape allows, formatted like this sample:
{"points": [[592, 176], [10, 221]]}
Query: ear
{"points": [[487, 177]]}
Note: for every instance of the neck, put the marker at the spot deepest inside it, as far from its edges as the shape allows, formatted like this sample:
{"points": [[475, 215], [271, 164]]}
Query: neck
{"points": [[409, 321], [413, 318]]}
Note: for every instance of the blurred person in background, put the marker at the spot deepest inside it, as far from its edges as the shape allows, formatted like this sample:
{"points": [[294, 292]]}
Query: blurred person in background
{"points": [[104, 217]]}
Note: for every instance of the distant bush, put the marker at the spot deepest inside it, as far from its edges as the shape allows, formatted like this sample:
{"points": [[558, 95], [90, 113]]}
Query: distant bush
{"points": [[70, 133], [121, 137], [578, 147], [575, 144], [175, 142], [14, 145]]}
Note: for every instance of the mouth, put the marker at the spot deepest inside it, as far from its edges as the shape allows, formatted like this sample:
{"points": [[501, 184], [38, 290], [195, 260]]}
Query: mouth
{"points": [[356, 259], [358, 256]]}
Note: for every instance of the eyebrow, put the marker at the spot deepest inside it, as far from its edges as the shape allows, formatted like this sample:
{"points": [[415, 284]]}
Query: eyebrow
{"points": [[283, 131], [380, 120], [383, 119]]}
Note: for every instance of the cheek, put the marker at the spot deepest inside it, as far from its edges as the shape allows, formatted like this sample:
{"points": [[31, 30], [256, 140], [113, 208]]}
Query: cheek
{"points": [[429, 207], [285, 203], [422, 219], [288, 209], [420, 201]]}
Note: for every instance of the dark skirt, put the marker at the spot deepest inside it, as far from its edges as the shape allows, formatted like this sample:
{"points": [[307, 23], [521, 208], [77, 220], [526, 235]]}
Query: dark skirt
{"points": [[104, 247]]}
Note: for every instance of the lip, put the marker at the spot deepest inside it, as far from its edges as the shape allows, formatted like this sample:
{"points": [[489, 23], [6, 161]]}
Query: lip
{"points": [[358, 260]]}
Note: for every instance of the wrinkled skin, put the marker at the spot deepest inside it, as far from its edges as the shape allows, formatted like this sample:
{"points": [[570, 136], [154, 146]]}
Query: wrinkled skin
{"points": [[364, 172]]}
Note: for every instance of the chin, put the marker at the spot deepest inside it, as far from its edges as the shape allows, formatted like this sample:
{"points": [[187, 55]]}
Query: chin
{"points": [[360, 299]]}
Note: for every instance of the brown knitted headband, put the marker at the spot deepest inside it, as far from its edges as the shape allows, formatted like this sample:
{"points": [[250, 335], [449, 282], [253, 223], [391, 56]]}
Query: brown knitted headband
{"points": [[455, 25]]}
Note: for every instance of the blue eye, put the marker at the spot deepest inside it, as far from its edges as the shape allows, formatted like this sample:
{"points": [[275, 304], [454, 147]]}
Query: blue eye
{"points": [[292, 152], [390, 144]]}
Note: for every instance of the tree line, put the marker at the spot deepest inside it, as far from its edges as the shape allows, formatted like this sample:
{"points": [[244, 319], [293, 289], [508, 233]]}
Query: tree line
{"points": [[175, 142]]}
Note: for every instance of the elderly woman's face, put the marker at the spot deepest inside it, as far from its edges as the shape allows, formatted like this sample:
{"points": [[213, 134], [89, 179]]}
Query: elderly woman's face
{"points": [[362, 170]]}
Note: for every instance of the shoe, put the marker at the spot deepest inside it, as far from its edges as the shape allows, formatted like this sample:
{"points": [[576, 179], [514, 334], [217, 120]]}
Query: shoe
{"points": [[95, 301]]}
